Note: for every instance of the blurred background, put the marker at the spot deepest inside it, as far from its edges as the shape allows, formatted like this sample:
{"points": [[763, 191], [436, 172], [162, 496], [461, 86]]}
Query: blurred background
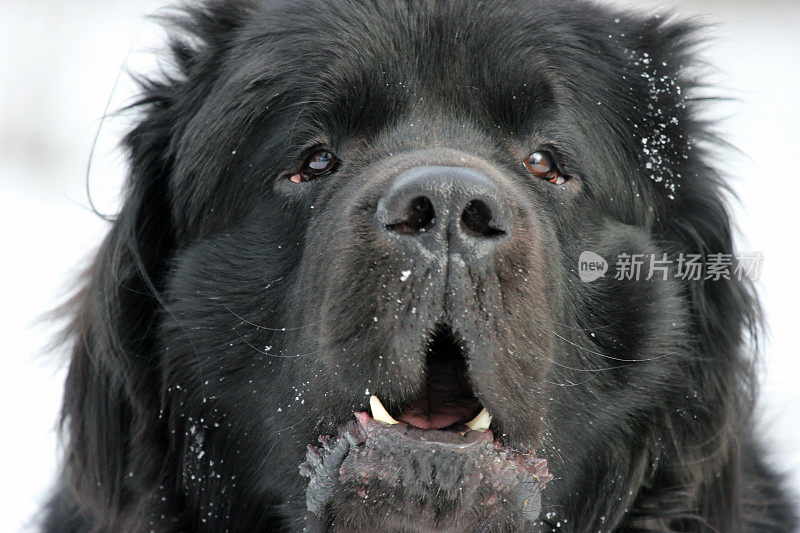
{"points": [[61, 68]]}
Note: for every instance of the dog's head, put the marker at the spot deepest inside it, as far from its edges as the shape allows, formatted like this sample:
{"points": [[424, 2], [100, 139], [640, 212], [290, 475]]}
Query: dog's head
{"points": [[337, 200]]}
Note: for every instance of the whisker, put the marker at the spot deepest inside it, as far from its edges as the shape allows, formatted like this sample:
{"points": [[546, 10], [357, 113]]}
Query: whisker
{"points": [[279, 356], [605, 356], [584, 369], [265, 328]]}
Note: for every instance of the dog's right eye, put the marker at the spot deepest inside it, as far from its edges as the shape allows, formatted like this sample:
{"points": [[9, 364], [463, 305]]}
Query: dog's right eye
{"points": [[318, 164]]}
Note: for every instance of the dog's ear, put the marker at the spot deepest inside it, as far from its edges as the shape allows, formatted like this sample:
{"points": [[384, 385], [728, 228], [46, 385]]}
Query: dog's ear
{"points": [[110, 418], [111, 393], [674, 147]]}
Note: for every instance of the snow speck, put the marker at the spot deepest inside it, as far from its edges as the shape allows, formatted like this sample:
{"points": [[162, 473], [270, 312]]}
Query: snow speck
{"points": [[404, 275], [666, 102]]}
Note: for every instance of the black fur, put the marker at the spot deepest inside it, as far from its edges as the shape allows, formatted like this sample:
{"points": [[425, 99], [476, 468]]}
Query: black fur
{"points": [[232, 316]]}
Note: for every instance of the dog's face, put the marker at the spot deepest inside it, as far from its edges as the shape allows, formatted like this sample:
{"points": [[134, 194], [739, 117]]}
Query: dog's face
{"points": [[390, 199]]}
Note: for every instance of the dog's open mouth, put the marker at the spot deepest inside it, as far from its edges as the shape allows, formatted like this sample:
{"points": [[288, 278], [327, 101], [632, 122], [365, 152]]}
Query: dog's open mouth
{"points": [[447, 401], [437, 443]]}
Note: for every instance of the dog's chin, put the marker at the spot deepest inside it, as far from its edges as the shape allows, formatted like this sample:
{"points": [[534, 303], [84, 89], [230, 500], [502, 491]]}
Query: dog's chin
{"points": [[437, 464], [374, 474]]}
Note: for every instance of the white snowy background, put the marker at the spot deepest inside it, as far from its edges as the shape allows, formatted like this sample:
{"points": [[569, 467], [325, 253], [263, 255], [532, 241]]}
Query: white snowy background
{"points": [[59, 64]]}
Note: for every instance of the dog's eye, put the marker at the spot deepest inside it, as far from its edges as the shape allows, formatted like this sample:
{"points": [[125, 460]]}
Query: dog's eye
{"points": [[541, 165], [318, 164]]}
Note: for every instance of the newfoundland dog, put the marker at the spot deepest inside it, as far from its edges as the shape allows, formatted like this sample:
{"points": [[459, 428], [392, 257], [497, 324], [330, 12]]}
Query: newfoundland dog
{"points": [[417, 265]]}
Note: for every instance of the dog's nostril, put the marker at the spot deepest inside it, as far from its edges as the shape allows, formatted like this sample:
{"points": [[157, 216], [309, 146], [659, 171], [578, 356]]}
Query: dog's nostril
{"points": [[477, 220], [419, 216]]}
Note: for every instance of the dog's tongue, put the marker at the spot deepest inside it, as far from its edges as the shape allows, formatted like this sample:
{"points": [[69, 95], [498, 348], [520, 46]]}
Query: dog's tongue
{"points": [[418, 417], [440, 408]]}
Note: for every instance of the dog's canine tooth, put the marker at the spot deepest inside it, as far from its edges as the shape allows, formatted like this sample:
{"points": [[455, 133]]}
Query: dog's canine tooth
{"points": [[481, 421], [379, 411]]}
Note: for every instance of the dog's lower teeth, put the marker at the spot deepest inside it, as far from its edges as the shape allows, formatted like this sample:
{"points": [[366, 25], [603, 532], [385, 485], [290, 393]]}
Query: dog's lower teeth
{"points": [[379, 412], [481, 421]]}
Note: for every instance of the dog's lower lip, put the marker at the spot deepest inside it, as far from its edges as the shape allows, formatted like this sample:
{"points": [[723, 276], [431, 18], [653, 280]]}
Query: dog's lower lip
{"points": [[454, 440]]}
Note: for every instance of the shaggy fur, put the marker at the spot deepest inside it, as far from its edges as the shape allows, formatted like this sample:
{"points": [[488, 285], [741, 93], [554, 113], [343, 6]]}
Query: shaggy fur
{"points": [[232, 316]]}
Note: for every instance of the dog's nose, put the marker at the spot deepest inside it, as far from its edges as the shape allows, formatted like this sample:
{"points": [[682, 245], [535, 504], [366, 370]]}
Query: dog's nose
{"points": [[445, 209]]}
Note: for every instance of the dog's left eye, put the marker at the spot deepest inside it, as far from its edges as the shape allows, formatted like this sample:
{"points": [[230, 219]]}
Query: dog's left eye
{"points": [[317, 164], [542, 165]]}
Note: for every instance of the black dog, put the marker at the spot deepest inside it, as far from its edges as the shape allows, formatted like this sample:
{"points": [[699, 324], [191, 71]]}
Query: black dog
{"points": [[382, 208]]}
